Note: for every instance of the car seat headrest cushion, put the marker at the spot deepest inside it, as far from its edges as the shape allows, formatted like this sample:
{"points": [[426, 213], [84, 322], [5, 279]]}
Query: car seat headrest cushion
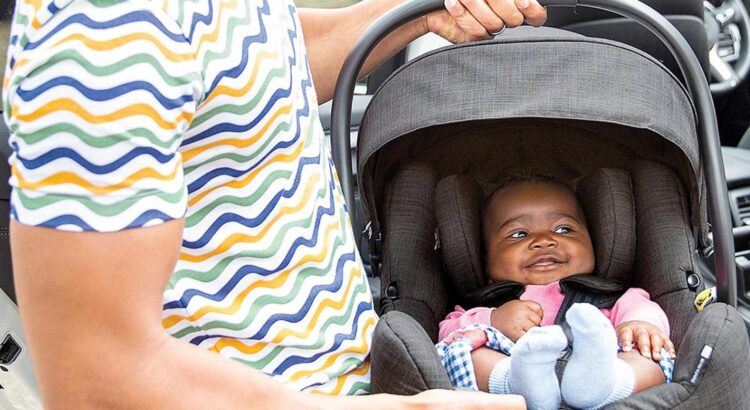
{"points": [[606, 196], [458, 200]]}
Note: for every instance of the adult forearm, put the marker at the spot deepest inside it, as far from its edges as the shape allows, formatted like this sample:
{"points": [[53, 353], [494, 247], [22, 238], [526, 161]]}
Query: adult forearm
{"points": [[91, 307], [179, 375], [330, 34]]}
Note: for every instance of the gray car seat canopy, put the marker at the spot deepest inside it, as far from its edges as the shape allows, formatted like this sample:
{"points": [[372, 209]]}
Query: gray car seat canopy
{"points": [[527, 78]]}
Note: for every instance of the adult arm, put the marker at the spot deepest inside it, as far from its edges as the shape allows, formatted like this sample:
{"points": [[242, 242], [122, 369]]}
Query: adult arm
{"points": [[330, 33], [96, 120], [91, 307]]}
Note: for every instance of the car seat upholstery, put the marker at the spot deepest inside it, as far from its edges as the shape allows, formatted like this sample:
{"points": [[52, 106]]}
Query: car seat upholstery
{"points": [[639, 222]]}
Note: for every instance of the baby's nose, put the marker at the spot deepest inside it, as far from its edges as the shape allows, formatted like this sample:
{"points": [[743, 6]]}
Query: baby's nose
{"points": [[544, 241]]}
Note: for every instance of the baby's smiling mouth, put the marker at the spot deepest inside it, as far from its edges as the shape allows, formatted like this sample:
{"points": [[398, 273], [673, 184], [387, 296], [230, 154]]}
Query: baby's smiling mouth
{"points": [[545, 262]]}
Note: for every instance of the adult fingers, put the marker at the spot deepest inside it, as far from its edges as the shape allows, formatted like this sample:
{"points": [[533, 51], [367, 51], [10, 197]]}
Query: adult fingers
{"points": [[533, 12], [452, 399], [626, 338], [506, 10], [465, 20], [485, 15], [644, 342]]}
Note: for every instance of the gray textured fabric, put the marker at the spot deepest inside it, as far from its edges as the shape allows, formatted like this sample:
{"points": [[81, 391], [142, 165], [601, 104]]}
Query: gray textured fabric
{"points": [[410, 264], [666, 248], [554, 75], [663, 396], [458, 200], [607, 200], [726, 381], [680, 312], [403, 359]]}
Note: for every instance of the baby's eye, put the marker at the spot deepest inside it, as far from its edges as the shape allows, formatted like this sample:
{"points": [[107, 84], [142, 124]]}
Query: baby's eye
{"points": [[518, 235], [563, 229]]}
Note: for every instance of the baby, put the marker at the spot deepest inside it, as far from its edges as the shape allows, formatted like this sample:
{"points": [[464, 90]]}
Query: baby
{"points": [[535, 233]]}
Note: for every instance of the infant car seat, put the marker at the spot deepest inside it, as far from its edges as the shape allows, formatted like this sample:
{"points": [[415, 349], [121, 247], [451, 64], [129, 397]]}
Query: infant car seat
{"points": [[639, 225], [445, 128]]}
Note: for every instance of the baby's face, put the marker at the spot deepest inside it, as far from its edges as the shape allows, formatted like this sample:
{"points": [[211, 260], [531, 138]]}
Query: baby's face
{"points": [[535, 233]]}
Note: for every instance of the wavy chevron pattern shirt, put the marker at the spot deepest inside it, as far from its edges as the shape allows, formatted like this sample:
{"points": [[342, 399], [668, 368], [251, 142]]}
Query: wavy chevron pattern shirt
{"points": [[126, 114]]}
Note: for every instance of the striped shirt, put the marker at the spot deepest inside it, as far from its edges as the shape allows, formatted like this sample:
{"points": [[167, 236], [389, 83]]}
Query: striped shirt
{"points": [[126, 114]]}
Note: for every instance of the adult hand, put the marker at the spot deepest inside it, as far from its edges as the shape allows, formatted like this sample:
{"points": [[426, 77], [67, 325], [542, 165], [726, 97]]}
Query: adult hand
{"points": [[515, 318], [650, 339], [467, 20], [450, 399]]}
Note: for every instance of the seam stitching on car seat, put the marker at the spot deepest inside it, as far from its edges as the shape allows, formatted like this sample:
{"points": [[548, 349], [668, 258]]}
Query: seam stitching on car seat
{"points": [[614, 217], [634, 213], [685, 217], [462, 216]]}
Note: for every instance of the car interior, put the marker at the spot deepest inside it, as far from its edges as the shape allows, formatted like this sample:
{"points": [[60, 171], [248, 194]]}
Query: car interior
{"points": [[718, 31]]}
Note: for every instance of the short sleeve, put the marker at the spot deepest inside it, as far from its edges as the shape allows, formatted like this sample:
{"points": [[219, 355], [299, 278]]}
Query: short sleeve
{"points": [[97, 99]]}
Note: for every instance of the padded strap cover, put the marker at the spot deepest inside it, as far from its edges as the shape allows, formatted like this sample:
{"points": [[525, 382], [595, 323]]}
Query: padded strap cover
{"points": [[496, 294]]}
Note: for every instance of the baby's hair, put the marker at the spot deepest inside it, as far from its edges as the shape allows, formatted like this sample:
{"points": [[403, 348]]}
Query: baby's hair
{"points": [[531, 176]]}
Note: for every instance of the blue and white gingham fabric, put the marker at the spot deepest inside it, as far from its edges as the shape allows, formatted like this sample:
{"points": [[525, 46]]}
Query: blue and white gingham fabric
{"points": [[456, 354]]}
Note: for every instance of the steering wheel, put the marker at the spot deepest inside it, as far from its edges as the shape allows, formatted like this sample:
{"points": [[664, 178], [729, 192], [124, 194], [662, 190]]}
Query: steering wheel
{"points": [[728, 29]]}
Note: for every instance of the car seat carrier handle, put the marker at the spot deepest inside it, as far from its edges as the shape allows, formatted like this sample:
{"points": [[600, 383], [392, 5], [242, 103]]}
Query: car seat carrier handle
{"points": [[710, 147]]}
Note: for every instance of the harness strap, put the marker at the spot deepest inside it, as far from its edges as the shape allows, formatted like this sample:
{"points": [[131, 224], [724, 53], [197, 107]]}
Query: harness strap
{"points": [[600, 292]]}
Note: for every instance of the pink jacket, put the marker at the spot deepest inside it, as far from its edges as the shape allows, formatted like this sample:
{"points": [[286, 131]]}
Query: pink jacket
{"points": [[634, 304]]}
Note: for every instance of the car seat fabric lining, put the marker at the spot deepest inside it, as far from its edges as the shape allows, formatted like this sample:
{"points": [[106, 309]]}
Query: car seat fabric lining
{"points": [[665, 247], [606, 197], [411, 267]]}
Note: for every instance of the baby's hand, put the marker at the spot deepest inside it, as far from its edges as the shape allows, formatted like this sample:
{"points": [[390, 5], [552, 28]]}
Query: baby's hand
{"points": [[650, 339], [516, 317]]}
